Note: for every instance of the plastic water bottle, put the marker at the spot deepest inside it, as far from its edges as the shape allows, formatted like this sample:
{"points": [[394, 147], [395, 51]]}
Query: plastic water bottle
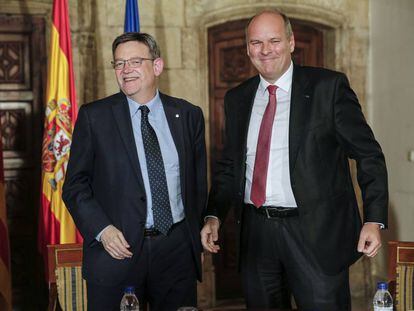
{"points": [[382, 299], [129, 301]]}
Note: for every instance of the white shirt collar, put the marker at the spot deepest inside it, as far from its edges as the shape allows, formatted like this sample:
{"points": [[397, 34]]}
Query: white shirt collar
{"points": [[284, 82], [153, 104]]}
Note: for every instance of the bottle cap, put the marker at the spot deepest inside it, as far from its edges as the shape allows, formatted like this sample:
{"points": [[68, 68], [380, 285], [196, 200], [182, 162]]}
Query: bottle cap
{"points": [[129, 289], [382, 285]]}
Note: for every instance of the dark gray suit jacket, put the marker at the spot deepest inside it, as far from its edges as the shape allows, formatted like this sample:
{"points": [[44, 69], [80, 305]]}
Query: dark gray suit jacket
{"points": [[326, 128], [104, 184]]}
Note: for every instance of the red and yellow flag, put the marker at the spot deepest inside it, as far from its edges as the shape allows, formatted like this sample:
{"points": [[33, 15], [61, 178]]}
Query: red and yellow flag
{"points": [[56, 226], [5, 275]]}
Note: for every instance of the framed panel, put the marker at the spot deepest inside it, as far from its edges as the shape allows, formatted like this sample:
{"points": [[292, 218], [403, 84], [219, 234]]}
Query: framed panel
{"points": [[14, 62]]}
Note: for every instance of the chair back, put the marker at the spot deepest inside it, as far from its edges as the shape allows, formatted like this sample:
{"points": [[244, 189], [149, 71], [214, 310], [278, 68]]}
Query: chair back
{"points": [[65, 277], [400, 273]]}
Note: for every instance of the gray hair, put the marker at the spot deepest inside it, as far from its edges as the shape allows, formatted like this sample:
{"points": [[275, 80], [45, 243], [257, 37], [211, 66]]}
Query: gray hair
{"points": [[142, 37]]}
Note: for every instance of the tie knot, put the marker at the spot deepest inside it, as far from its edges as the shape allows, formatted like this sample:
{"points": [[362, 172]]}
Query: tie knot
{"points": [[144, 110], [272, 89]]}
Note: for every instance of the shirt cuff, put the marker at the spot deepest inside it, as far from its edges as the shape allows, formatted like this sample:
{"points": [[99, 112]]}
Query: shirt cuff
{"points": [[211, 216], [382, 226], [98, 237]]}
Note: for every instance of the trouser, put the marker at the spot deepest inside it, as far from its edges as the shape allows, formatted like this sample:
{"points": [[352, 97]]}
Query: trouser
{"points": [[275, 263], [164, 276]]}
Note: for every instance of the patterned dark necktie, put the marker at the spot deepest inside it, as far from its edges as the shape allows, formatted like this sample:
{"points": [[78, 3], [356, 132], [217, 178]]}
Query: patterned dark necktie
{"points": [[261, 163], [156, 173]]}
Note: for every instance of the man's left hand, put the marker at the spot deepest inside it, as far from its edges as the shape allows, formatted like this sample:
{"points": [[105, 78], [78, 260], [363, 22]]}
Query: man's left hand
{"points": [[370, 239]]}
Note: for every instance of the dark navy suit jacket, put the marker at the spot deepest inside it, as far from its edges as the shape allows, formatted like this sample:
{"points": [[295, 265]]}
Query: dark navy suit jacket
{"points": [[104, 184]]}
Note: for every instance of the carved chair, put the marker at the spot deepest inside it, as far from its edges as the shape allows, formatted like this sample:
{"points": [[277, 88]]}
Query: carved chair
{"points": [[64, 268], [400, 273]]}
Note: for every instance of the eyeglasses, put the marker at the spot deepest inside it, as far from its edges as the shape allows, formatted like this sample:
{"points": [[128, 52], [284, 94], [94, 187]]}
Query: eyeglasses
{"points": [[132, 62]]}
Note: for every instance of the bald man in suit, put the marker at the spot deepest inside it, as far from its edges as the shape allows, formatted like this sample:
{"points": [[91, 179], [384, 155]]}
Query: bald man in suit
{"points": [[289, 133]]}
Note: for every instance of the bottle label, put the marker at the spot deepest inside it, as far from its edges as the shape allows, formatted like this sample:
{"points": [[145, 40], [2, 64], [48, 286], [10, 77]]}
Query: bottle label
{"points": [[382, 308]]}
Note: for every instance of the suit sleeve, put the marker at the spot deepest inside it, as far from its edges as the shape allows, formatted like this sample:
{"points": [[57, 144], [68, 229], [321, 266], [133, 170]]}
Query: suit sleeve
{"points": [[220, 196], [77, 194], [358, 141], [200, 163]]}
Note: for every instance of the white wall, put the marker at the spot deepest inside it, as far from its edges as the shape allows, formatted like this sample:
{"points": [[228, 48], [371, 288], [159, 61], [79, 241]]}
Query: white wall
{"points": [[391, 108]]}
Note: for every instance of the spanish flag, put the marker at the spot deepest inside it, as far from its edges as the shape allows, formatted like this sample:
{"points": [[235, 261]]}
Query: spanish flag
{"points": [[5, 275], [56, 226]]}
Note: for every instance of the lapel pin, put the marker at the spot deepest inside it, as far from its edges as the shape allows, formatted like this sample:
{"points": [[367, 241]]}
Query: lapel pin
{"points": [[177, 115]]}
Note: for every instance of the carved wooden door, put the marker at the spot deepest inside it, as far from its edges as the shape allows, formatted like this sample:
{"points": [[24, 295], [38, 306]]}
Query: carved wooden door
{"points": [[228, 66], [22, 71]]}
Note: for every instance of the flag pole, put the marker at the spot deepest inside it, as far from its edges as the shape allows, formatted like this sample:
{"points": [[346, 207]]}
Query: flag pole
{"points": [[131, 16]]}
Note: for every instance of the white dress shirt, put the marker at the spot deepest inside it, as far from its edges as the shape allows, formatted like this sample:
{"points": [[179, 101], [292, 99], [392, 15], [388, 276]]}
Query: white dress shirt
{"points": [[278, 188], [159, 123]]}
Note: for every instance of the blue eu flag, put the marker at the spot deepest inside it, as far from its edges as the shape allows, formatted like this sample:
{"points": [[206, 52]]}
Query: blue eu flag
{"points": [[131, 16]]}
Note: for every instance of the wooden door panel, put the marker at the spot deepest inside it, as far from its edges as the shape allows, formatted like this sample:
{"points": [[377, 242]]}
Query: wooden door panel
{"points": [[15, 118], [15, 61], [308, 45], [22, 71], [232, 66], [229, 65]]}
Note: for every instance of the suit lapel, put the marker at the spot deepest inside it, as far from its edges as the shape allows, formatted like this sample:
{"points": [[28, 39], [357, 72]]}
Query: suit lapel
{"points": [[175, 117], [245, 111], [299, 113], [123, 120]]}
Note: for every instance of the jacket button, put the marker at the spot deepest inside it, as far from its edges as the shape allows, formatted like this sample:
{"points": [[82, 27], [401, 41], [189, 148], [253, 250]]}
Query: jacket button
{"points": [[143, 199]]}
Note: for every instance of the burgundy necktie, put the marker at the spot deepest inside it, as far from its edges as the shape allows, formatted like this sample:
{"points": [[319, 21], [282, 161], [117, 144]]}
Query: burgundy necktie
{"points": [[258, 191]]}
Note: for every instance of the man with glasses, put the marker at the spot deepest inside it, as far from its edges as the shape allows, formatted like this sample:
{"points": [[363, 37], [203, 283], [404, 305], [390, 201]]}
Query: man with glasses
{"points": [[136, 186]]}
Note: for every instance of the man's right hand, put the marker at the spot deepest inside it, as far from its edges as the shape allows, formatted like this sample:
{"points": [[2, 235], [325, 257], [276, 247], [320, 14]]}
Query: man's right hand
{"points": [[114, 243], [209, 235]]}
